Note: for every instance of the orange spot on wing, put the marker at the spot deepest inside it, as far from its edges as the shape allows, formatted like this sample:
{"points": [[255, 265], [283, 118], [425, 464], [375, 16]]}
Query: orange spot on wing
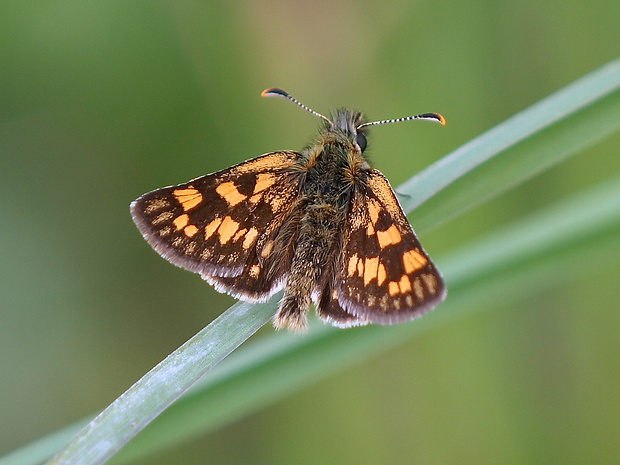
{"points": [[250, 237], [212, 227], [190, 230], [404, 284], [188, 198], [229, 192], [181, 221], [227, 229], [239, 234], [389, 237], [413, 260], [381, 274], [393, 288], [360, 267], [264, 181], [371, 267]]}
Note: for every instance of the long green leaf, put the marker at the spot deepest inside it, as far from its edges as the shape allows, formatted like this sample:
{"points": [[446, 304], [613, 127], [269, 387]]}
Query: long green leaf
{"points": [[165, 383]]}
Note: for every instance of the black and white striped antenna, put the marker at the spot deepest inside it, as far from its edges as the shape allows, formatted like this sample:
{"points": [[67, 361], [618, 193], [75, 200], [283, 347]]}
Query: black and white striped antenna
{"points": [[427, 116], [275, 92]]}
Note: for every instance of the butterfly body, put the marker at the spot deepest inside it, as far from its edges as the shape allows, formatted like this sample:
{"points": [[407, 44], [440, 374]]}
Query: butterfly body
{"points": [[320, 224], [331, 169]]}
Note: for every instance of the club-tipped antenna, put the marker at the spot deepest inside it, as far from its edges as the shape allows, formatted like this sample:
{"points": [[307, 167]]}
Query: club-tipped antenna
{"points": [[275, 92], [427, 116]]}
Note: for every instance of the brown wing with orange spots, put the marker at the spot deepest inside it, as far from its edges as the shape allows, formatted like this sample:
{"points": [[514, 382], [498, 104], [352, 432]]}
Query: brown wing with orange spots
{"points": [[385, 276], [226, 225]]}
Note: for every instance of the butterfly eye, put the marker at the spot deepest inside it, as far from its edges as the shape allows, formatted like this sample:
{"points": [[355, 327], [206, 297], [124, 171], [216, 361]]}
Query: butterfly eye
{"points": [[361, 141]]}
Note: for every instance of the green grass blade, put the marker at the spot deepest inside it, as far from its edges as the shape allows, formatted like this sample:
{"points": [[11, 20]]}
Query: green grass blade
{"points": [[161, 386], [517, 149]]}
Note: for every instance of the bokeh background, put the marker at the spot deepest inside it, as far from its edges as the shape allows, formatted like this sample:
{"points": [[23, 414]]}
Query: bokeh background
{"points": [[102, 101]]}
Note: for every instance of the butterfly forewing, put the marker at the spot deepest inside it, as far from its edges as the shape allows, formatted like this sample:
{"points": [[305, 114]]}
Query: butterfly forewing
{"points": [[224, 224], [385, 275]]}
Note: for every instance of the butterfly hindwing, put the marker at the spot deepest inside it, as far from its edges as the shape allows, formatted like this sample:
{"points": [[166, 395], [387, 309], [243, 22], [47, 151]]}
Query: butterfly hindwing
{"points": [[385, 276], [224, 225]]}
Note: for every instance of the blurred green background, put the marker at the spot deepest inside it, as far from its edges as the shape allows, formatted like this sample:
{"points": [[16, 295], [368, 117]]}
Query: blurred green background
{"points": [[103, 101]]}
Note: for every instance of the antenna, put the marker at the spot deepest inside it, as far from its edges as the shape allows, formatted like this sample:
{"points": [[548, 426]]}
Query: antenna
{"points": [[275, 92], [427, 116]]}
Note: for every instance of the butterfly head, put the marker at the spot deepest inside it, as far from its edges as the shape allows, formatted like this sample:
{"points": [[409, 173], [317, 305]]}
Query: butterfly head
{"points": [[350, 124]]}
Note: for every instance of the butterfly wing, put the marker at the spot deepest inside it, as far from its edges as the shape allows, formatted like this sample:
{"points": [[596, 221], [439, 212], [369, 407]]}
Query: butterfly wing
{"points": [[226, 225], [384, 274]]}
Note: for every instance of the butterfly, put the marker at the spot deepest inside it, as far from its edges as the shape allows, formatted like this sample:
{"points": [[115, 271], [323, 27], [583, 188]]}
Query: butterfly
{"points": [[320, 224]]}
